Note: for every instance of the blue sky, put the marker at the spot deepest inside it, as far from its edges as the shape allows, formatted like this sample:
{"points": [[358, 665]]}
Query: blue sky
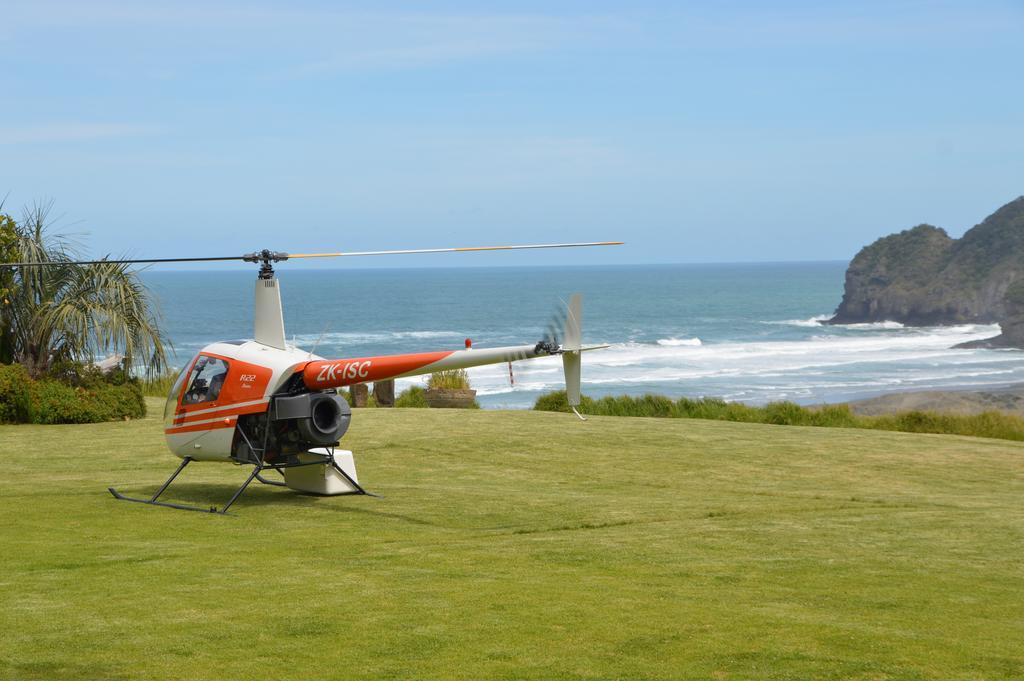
{"points": [[732, 131]]}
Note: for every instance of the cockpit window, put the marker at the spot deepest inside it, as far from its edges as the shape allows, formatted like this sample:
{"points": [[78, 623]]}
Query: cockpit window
{"points": [[206, 380], [172, 396]]}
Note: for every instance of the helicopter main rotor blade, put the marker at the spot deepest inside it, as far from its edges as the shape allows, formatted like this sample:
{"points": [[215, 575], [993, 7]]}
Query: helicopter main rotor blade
{"points": [[118, 261], [275, 256], [462, 249]]}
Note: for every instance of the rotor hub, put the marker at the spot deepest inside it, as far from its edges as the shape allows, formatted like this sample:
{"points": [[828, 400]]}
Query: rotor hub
{"points": [[266, 258]]}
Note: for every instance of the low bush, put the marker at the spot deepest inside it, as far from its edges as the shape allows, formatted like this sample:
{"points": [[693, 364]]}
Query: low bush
{"points": [[69, 393], [554, 401], [992, 424], [82, 375], [15, 394], [56, 402], [785, 414], [159, 386], [412, 397], [835, 416], [451, 379]]}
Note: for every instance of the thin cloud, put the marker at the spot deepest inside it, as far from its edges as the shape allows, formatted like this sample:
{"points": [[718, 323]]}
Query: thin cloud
{"points": [[403, 32], [432, 51], [71, 132], [309, 42]]}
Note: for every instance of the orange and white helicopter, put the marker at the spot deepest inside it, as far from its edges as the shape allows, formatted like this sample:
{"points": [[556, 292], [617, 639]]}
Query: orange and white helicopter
{"points": [[265, 403]]}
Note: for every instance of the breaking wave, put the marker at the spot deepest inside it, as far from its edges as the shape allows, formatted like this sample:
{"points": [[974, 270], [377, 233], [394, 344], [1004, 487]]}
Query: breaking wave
{"points": [[813, 322], [679, 342], [873, 326], [357, 337], [824, 365], [817, 322]]}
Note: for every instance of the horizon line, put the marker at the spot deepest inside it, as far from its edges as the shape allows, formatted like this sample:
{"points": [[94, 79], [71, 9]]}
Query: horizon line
{"points": [[229, 268]]}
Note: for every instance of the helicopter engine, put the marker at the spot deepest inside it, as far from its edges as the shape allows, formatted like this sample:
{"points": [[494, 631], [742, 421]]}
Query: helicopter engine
{"points": [[321, 418], [292, 425]]}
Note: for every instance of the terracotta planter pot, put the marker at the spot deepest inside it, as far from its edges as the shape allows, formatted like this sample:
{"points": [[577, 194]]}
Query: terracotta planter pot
{"points": [[450, 399]]}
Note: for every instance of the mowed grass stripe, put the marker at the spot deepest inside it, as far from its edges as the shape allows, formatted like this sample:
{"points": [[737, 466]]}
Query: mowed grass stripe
{"points": [[521, 545]]}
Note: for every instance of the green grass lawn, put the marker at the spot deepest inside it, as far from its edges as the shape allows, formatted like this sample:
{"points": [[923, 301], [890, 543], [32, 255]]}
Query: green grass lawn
{"points": [[521, 545]]}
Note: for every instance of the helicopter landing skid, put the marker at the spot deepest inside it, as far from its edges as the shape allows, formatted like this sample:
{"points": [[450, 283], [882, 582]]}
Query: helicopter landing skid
{"points": [[152, 501], [275, 483], [255, 475], [351, 480]]}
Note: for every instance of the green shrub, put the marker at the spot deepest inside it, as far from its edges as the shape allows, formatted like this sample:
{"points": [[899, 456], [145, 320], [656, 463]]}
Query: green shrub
{"points": [[559, 401], [159, 386], [785, 414], [451, 379], [83, 375], [735, 411], [996, 424], [56, 402], [835, 416], [412, 397], [123, 400], [553, 401], [656, 405], [717, 409], [916, 422], [15, 394], [992, 424], [645, 405]]}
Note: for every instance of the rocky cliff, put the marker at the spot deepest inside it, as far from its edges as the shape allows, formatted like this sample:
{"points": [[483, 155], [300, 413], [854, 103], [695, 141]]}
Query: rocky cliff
{"points": [[1011, 322], [922, 277]]}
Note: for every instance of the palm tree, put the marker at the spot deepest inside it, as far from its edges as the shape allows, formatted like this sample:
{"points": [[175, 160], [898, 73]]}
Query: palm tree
{"points": [[8, 253], [68, 312]]}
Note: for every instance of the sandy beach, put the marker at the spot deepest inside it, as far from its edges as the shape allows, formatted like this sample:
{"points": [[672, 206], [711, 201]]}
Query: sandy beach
{"points": [[1008, 399]]}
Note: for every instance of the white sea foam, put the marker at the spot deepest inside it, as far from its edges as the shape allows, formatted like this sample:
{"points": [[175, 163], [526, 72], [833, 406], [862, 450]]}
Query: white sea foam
{"points": [[816, 322], [827, 363], [679, 342], [813, 322], [356, 337], [873, 326], [847, 361]]}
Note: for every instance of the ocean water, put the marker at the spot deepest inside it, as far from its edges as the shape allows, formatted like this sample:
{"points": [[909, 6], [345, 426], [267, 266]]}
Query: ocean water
{"points": [[743, 332]]}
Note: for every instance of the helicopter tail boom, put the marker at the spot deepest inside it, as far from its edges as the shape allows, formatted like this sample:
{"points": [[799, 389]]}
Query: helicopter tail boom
{"points": [[338, 373]]}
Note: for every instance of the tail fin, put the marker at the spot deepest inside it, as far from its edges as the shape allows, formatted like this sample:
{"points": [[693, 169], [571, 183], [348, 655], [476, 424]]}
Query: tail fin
{"points": [[572, 350], [571, 364]]}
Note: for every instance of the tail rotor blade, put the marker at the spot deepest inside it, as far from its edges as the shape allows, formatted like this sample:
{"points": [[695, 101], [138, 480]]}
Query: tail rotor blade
{"points": [[555, 326], [573, 336]]}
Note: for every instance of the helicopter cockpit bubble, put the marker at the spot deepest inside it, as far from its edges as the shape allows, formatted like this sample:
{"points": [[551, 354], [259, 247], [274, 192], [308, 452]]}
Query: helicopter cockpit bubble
{"points": [[206, 380], [172, 395]]}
